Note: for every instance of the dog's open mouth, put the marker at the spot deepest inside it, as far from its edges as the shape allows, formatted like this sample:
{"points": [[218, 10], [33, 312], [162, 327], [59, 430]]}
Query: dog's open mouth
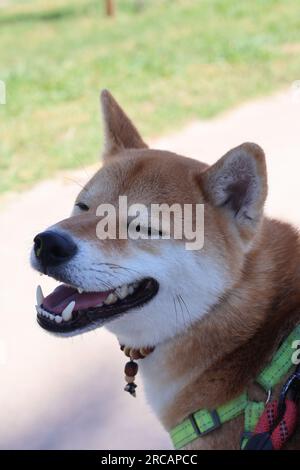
{"points": [[69, 309]]}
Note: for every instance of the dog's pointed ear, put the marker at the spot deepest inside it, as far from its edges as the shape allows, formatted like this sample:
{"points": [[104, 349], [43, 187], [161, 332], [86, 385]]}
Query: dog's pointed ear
{"points": [[119, 131], [238, 184]]}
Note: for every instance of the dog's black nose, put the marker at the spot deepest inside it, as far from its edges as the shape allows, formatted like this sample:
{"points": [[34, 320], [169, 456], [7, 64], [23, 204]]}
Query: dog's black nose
{"points": [[53, 248]]}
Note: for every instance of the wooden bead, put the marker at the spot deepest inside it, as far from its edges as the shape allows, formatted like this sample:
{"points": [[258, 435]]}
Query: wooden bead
{"points": [[135, 354], [146, 351], [127, 351], [129, 380], [131, 369]]}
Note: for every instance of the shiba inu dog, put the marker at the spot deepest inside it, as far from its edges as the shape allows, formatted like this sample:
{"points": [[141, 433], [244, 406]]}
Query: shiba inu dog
{"points": [[215, 315]]}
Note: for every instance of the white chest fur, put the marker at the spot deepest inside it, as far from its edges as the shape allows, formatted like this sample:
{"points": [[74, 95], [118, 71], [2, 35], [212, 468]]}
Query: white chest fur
{"points": [[160, 388]]}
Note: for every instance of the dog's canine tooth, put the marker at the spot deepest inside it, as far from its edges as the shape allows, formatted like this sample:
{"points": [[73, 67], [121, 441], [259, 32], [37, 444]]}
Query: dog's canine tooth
{"points": [[111, 299], [67, 312], [122, 291], [58, 318], [79, 290], [39, 296]]}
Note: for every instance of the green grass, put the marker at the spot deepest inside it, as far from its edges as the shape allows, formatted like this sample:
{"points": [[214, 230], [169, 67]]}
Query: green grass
{"points": [[173, 61]]}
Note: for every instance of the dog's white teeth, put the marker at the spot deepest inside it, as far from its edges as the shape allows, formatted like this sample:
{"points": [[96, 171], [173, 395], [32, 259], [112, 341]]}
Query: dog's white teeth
{"points": [[39, 296], [49, 315], [130, 289], [67, 312], [111, 299], [122, 291], [44, 313]]}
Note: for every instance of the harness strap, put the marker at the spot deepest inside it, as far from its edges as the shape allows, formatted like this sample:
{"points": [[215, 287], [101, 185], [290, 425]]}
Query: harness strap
{"points": [[253, 412], [274, 372], [203, 421]]}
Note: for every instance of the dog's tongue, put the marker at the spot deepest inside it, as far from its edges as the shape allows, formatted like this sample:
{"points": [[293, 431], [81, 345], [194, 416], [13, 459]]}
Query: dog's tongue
{"points": [[63, 295]]}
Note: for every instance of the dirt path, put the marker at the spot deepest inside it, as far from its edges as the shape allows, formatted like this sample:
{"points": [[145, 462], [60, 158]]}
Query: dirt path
{"points": [[58, 393]]}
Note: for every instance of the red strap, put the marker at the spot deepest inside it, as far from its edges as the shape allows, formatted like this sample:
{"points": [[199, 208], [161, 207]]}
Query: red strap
{"points": [[286, 426]]}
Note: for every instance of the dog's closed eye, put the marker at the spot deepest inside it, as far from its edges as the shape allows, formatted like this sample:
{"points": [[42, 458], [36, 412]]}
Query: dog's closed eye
{"points": [[82, 206], [149, 230]]}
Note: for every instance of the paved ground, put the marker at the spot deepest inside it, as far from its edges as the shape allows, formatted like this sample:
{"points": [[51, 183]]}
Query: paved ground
{"points": [[68, 394]]}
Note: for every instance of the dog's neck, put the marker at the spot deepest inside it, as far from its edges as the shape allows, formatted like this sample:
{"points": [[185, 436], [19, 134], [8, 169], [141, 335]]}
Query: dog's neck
{"points": [[220, 356]]}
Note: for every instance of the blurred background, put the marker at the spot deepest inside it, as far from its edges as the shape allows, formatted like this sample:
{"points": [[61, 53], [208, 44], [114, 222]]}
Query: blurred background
{"points": [[198, 77]]}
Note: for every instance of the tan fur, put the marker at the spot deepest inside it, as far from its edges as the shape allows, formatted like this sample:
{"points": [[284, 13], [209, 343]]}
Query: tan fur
{"points": [[230, 346], [227, 348]]}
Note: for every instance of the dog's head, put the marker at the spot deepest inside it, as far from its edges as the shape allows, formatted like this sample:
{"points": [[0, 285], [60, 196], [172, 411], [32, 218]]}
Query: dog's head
{"points": [[150, 287]]}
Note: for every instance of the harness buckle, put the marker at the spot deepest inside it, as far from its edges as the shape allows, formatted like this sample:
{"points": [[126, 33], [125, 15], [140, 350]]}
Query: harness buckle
{"points": [[215, 419]]}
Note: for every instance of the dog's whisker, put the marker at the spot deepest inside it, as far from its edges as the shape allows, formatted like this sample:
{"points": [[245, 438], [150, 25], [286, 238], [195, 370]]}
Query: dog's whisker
{"points": [[176, 315], [76, 182], [184, 303], [116, 266], [181, 310], [99, 271]]}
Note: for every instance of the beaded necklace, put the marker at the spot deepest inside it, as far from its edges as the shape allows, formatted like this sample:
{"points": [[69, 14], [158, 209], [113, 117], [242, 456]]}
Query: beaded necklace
{"points": [[131, 367]]}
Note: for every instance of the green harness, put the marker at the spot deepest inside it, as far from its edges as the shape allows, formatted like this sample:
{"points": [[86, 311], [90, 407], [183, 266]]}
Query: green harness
{"points": [[204, 421]]}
